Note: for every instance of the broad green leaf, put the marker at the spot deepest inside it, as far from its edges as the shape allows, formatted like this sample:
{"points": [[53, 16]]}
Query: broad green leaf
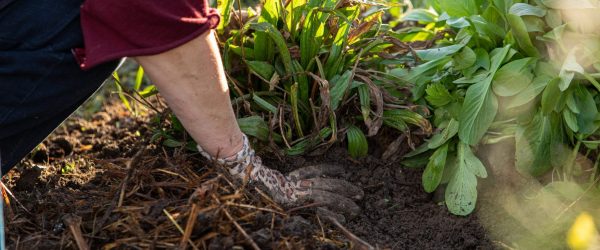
{"points": [[438, 95], [483, 59], [466, 58], [262, 69], [472, 79], [513, 77], [480, 105], [587, 117], [247, 53], [531, 92], [488, 30], [534, 24], [461, 193], [473, 163], [418, 75], [277, 37], [478, 112], [519, 30], [420, 15], [571, 103], [534, 146], [436, 53], [523, 9], [257, 127], [438, 139], [553, 18], [357, 142], [570, 120], [417, 151], [432, 176], [463, 8], [458, 23], [339, 86], [550, 96]]}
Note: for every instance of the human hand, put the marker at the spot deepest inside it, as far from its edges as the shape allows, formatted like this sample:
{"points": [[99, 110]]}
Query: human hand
{"points": [[307, 184]]}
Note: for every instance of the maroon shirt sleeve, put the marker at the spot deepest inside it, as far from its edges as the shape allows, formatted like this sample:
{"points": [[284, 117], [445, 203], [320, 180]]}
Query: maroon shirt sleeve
{"points": [[124, 28]]}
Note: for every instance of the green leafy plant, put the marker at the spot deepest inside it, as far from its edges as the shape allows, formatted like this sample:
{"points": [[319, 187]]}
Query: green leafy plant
{"points": [[505, 70], [305, 73]]}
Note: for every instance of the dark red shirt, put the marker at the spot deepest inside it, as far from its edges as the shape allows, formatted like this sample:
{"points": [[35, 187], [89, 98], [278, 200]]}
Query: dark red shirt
{"points": [[125, 28]]}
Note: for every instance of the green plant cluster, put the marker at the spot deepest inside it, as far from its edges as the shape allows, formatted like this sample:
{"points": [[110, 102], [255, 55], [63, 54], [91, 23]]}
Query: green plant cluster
{"points": [[308, 73], [524, 71]]}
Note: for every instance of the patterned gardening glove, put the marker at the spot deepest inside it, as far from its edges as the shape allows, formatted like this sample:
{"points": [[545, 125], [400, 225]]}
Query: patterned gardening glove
{"points": [[300, 186]]}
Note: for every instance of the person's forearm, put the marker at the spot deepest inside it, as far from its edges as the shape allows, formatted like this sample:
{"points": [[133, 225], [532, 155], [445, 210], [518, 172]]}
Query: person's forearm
{"points": [[192, 80]]}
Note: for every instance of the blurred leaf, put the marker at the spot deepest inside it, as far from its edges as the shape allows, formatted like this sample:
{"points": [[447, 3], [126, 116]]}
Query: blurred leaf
{"points": [[583, 234], [587, 117], [513, 77], [139, 76], [568, 70], [531, 92], [534, 146], [172, 143], [121, 92]]}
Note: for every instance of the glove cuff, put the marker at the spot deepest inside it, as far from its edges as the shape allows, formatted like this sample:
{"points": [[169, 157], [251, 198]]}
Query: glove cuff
{"points": [[241, 163]]}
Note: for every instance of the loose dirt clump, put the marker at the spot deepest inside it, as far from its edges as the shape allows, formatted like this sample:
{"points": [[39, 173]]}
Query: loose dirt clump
{"points": [[103, 183]]}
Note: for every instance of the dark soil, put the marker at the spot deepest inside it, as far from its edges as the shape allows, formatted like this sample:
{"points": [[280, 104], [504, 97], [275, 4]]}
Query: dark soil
{"points": [[123, 187]]}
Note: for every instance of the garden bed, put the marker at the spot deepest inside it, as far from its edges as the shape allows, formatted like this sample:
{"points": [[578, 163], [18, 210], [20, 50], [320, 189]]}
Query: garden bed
{"points": [[124, 188]]}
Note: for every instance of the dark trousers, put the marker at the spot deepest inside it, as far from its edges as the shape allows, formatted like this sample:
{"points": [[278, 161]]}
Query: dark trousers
{"points": [[41, 83]]}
